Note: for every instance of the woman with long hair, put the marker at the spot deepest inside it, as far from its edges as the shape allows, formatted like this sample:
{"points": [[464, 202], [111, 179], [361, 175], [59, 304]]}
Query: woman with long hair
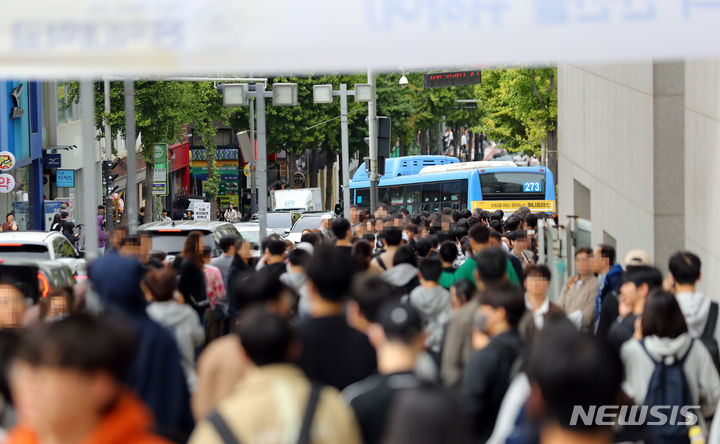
{"points": [[191, 282], [56, 224]]}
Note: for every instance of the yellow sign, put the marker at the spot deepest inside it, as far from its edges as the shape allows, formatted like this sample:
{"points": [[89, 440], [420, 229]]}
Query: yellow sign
{"points": [[227, 200], [512, 205], [246, 169]]}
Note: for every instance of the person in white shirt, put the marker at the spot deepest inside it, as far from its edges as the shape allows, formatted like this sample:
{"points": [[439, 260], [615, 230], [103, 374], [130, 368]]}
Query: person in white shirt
{"points": [[537, 283], [231, 214]]}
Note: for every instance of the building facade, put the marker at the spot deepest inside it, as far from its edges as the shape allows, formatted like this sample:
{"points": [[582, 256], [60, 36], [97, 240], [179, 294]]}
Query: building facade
{"points": [[637, 150], [20, 134]]}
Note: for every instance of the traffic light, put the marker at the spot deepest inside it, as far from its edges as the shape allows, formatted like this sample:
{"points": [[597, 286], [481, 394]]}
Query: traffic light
{"points": [[383, 143], [383, 136], [108, 177]]}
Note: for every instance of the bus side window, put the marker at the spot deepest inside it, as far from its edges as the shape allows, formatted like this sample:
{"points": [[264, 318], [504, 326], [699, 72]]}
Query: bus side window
{"points": [[413, 198], [431, 196], [451, 195]]}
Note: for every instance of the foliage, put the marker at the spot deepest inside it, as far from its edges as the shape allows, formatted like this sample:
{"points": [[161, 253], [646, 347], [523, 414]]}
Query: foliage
{"points": [[519, 106], [205, 110]]}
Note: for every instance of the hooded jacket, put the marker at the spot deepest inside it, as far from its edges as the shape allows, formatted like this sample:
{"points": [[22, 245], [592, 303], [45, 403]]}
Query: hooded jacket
{"points": [[700, 373], [404, 277], [129, 422], [156, 375], [184, 324], [435, 308], [695, 308]]}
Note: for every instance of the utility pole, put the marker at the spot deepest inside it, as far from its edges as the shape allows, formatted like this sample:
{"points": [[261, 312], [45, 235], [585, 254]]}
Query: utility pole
{"points": [[108, 156], [372, 133], [262, 158], [345, 151], [253, 161], [131, 206], [89, 170]]}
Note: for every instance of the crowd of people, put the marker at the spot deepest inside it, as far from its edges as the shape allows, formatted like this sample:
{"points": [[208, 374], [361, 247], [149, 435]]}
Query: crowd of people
{"points": [[385, 328]]}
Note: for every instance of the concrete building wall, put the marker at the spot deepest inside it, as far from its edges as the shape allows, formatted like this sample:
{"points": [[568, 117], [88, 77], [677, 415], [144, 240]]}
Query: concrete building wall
{"points": [[644, 138], [702, 168], [605, 135]]}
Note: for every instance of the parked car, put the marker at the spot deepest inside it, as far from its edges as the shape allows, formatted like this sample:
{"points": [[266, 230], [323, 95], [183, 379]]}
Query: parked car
{"points": [[169, 237], [250, 232], [42, 246], [279, 221], [308, 221], [35, 278]]}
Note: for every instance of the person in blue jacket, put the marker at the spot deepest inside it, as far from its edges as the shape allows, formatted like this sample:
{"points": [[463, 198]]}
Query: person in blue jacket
{"points": [[156, 374], [610, 275]]}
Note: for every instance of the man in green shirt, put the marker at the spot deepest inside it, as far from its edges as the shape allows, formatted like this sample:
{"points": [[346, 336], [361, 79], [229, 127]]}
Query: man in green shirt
{"points": [[479, 236]]}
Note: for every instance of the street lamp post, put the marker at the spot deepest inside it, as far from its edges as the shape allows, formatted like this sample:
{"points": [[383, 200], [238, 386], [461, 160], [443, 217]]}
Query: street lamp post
{"points": [[324, 94], [253, 176], [372, 133], [239, 94]]}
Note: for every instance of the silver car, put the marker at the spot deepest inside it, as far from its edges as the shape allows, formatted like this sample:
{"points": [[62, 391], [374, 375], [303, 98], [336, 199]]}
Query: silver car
{"points": [[169, 237], [308, 221], [42, 246]]}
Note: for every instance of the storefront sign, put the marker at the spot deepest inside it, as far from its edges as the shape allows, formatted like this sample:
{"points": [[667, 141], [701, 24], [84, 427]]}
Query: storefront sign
{"points": [[21, 214], [65, 178], [7, 183], [159, 189], [67, 205], [7, 160], [53, 160], [160, 179], [226, 200], [51, 209]]}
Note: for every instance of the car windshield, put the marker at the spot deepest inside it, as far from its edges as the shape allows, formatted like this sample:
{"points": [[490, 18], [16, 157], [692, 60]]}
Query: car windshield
{"points": [[172, 243], [249, 235], [279, 220], [24, 251], [307, 223]]}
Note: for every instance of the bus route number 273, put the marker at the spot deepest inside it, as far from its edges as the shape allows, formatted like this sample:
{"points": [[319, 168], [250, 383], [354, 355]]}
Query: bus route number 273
{"points": [[530, 187]]}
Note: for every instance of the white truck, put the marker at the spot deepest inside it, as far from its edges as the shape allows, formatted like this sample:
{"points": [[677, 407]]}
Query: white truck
{"points": [[301, 199]]}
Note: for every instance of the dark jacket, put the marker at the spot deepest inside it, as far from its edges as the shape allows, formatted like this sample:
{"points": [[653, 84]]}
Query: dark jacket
{"points": [[156, 375], [621, 331], [486, 378], [333, 352], [606, 303]]}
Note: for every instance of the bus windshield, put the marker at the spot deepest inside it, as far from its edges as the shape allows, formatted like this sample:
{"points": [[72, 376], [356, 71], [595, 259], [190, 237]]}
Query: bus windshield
{"points": [[513, 185]]}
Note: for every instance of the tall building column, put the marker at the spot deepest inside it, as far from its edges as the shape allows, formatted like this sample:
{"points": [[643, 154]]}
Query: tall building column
{"points": [[668, 160]]}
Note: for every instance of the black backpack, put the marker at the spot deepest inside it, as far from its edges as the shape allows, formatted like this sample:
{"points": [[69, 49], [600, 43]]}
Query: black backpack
{"points": [[708, 335], [668, 387]]}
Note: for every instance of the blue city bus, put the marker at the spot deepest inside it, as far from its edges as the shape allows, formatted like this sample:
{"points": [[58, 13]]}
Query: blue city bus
{"points": [[486, 185]]}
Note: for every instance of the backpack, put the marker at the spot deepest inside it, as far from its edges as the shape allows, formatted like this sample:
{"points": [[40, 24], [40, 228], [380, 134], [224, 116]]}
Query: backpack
{"points": [[228, 437], [668, 387], [708, 335]]}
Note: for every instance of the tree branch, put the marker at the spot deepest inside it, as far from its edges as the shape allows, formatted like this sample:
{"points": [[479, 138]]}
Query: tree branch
{"points": [[537, 93]]}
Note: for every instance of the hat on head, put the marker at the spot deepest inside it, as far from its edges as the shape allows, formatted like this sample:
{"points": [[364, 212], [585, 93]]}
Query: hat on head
{"points": [[400, 321], [637, 257], [326, 217]]}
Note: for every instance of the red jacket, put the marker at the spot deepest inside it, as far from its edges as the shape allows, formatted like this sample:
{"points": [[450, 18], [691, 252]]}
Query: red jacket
{"points": [[129, 422]]}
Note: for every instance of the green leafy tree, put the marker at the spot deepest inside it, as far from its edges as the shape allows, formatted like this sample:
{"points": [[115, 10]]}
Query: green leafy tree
{"points": [[205, 113], [161, 109], [519, 108]]}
